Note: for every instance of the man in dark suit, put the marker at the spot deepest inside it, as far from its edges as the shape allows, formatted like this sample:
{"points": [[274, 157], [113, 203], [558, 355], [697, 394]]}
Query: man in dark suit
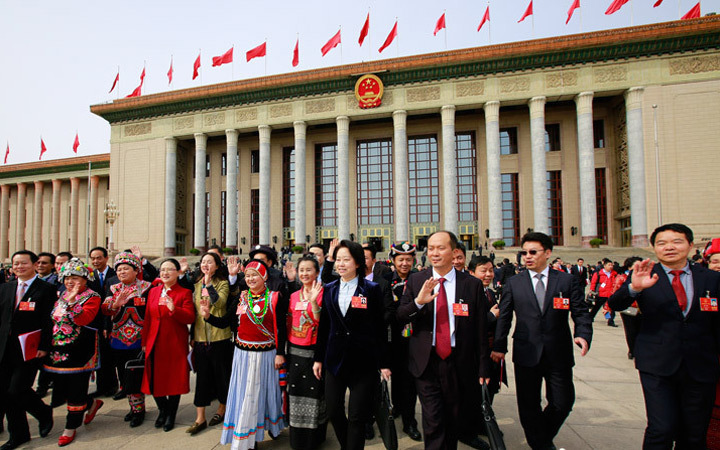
{"points": [[25, 306], [373, 270], [676, 350], [448, 349], [580, 272], [541, 299], [104, 277]]}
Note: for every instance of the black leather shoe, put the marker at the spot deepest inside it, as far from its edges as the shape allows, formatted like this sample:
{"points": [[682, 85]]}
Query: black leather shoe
{"points": [[119, 395], [369, 432], [45, 426], [160, 421], [475, 442], [128, 417], [13, 443], [169, 421], [413, 433], [137, 419]]}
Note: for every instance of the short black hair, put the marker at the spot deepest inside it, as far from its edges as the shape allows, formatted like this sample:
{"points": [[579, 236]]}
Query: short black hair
{"points": [[478, 261], [309, 258], [627, 265], [68, 255], [461, 246], [320, 246], [368, 246], [677, 227], [33, 256], [356, 251], [454, 242], [49, 255], [606, 260], [173, 261], [215, 247], [541, 238], [102, 249], [580, 259]]}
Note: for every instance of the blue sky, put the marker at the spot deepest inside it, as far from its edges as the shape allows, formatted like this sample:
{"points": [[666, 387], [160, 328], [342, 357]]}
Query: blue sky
{"points": [[58, 58]]}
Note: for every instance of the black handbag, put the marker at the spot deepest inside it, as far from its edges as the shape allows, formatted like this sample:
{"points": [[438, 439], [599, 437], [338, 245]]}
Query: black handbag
{"points": [[384, 418], [134, 370], [494, 435]]}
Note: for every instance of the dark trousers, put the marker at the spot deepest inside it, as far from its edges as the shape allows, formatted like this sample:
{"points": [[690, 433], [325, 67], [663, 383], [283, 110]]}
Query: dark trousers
{"points": [[213, 364], [542, 425], [599, 302], [404, 395], [439, 393], [678, 410], [168, 404], [107, 377], [74, 389], [17, 395], [44, 379], [631, 325], [363, 386]]}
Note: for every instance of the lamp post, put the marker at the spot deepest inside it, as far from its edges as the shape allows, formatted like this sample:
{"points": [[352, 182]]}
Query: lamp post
{"points": [[111, 214]]}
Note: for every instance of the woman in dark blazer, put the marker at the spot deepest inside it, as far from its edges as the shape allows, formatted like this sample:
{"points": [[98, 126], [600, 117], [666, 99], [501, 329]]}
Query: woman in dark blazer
{"points": [[352, 345]]}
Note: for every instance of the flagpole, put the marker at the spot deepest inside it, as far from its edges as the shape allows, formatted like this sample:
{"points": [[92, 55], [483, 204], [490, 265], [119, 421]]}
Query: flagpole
{"points": [[171, 67], [489, 23], [397, 41], [89, 199], [581, 26], [264, 57], [445, 30], [341, 59], [679, 10], [631, 13], [369, 40], [117, 93], [200, 68], [533, 22], [232, 64]]}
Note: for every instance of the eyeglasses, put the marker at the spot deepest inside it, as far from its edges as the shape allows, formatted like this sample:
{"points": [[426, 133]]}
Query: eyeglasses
{"points": [[532, 252]]}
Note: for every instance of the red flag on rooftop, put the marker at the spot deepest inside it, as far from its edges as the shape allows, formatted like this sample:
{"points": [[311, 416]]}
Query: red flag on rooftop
{"points": [[657, 3], [43, 149], [170, 72], [528, 12], [485, 18], [364, 31], [257, 52], [694, 13], [117, 78], [225, 58], [196, 66], [439, 25], [76, 144], [615, 6], [391, 37], [7, 152], [138, 90], [296, 53], [331, 44], [575, 5], [142, 76]]}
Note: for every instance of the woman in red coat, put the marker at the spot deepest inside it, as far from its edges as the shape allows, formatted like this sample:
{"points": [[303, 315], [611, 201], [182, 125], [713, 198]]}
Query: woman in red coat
{"points": [[165, 339]]}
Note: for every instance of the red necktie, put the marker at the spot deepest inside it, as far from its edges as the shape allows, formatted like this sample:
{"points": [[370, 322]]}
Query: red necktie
{"points": [[490, 300], [679, 289], [442, 323]]}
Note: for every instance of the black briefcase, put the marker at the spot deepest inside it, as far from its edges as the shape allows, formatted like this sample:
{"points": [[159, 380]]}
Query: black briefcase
{"points": [[495, 437], [134, 370], [384, 418]]}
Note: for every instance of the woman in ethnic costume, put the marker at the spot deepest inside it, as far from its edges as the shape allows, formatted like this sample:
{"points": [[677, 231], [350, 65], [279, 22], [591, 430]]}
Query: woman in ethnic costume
{"points": [[126, 305], [255, 401], [212, 346], [308, 416], [711, 258], [74, 352], [165, 338]]}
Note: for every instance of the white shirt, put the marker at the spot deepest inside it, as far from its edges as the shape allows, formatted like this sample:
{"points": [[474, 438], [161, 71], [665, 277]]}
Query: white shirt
{"points": [[347, 290], [449, 285], [545, 272]]}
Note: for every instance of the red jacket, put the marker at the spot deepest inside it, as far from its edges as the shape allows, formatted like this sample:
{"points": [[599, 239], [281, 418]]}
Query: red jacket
{"points": [[165, 337], [607, 284]]}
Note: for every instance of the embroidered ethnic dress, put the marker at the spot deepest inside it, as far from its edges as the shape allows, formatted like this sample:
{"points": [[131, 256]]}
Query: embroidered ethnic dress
{"points": [[128, 320]]}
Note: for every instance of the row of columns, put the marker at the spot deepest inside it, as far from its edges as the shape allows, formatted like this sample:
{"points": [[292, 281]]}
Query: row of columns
{"points": [[586, 170]]}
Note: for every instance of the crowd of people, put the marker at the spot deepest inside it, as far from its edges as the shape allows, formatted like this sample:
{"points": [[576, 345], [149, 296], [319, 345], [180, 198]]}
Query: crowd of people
{"points": [[285, 347]]}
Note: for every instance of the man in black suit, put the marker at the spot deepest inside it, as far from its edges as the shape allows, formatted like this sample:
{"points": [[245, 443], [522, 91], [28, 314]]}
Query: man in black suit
{"points": [[448, 349], [25, 306], [580, 272], [676, 350], [541, 299], [373, 270], [104, 277]]}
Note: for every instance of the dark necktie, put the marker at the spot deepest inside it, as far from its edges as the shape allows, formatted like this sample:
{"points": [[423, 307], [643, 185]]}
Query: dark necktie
{"points": [[540, 291], [489, 297], [102, 279], [442, 323], [679, 289]]}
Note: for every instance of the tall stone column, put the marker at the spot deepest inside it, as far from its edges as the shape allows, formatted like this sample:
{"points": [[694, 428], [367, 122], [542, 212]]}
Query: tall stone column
{"points": [[636, 166], [400, 177], [231, 206], [300, 128], [343, 176], [20, 217], [586, 167], [494, 186], [450, 213], [74, 214], [55, 225], [539, 171], [4, 221], [37, 244], [170, 195], [200, 213], [264, 207], [93, 232]]}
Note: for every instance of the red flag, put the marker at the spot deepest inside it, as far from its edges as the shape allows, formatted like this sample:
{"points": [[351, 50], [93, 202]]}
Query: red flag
{"points": [[657, 3], [7, 152], [364, 30], [225, 58], [136, 93], [196, 66], [615, 6], [170, 72], [391, 37], [331, 44], [528, 12], [296, 54], [486, 18], [43, 149], [142, 76], [257, 52], [76, 144], [694, 13], [117, 78], [573, 7], [439, 25]]}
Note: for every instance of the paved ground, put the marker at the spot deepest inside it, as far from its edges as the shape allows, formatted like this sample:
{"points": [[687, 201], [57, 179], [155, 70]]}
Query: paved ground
{"points": [[609, 413]]}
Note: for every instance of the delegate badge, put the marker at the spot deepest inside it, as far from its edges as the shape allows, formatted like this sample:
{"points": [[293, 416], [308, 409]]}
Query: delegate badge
{"points": [[359, 302], [708, 304], [139, 301], [561, 303], [301, 306], [461, 309], [30, 306]]}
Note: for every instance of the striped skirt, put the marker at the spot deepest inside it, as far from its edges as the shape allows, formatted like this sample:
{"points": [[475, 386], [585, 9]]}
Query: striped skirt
{"points": [[254, 402]]}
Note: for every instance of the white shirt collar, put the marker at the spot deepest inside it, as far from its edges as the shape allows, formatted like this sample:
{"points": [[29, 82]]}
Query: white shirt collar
{"points": [[449, 277], [545, 272]]}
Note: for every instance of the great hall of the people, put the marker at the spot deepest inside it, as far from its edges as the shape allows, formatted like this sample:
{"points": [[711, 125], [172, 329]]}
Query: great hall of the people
{"points": [[603, 134]]}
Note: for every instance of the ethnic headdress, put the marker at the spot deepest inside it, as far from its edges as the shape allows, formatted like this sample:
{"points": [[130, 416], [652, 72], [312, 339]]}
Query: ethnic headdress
{"points": [[258, 267], [402, 248], [127, 258], [75, 267]]}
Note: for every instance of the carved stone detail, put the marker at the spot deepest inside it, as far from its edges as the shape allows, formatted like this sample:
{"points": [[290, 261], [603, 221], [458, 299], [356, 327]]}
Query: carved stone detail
{"points": [[422, 94], [211, 120], [610, 74], [246, 115], [319, 106], [184, 123], [470, 89], [281, 110], [515, 84], [561, 79], [138, 129], [694, 64]]}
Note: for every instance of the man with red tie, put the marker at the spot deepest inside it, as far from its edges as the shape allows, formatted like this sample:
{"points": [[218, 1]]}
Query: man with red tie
{"points": [[677, 346], [448, 349]]}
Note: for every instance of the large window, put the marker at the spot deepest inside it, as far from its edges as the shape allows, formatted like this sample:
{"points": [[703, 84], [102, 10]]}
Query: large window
{"points": [[223, 218], [423, 175], [554, 186], [552, 137], [467, 176], [601, 201], [288, 187], [326, 185], [510, 208], [255, 216], [508, 141], [374, 182], [599, 133], [255, 161]]}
